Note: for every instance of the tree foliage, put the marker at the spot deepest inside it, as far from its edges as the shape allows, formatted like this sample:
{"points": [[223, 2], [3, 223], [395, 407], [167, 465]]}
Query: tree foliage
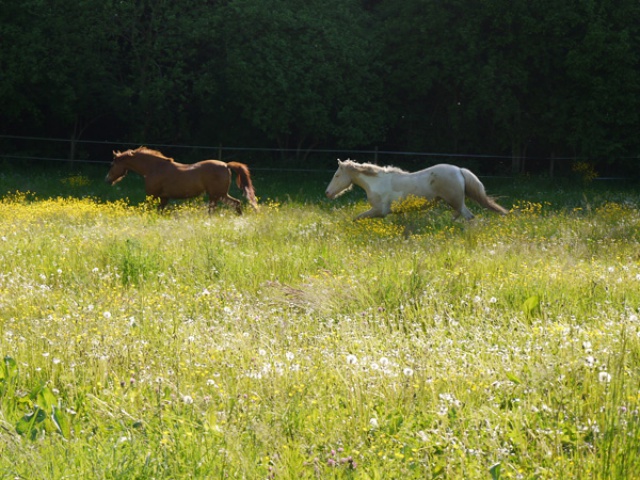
{"points": [[503, 77], [304, 71]]}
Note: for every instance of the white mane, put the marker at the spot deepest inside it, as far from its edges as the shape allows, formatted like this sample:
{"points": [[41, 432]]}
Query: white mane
{"points": [[370, 168]]}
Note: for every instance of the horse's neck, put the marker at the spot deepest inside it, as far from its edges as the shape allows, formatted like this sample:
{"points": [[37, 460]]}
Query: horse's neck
{"points": [[369, 183], [142, 163]]}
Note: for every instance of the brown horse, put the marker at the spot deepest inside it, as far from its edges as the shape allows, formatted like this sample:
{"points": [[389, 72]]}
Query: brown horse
{"points": [[166, 179]]}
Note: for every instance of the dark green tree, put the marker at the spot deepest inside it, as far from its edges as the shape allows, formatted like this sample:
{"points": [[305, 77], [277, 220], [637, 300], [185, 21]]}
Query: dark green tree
{"points": [[302, 71], [165, 51], [56, 63], [603, 69], [516, 77]]}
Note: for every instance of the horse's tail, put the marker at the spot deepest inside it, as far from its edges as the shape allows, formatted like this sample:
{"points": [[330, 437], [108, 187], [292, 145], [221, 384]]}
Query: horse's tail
{"points": [[243, 180], [474, 189]]}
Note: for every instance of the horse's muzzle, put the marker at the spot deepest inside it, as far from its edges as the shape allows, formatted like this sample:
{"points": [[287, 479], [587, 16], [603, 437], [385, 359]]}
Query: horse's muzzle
{"points": [[112, 181]]}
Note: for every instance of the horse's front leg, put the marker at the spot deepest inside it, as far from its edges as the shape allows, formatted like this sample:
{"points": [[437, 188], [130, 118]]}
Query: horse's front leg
{"points": [[162, 204], [380, 208], [371, 213], [213, 202]]}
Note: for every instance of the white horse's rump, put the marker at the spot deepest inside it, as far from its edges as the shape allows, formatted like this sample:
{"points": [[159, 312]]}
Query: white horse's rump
{"points": [[386, 185]]}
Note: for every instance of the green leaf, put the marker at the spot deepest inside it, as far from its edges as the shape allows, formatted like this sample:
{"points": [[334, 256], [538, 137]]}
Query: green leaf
{"points": [[46, 399], [10, 369], [31, 423], [494, 470], [531, 305], [61, 420], [513, 378]]}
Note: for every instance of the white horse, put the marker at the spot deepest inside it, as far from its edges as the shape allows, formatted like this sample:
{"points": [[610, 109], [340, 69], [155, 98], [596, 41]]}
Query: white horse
{"points": [[386, 185]]}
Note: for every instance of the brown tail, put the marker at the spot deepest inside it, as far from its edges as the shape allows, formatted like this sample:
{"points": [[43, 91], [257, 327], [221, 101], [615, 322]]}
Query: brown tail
{"points": [[474, 189], [243, 180]]}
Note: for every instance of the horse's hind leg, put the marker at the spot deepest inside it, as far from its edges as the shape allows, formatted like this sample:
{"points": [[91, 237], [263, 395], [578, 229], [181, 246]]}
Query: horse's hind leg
{"points": [[465, 212], [233, 202], [457, 203]]}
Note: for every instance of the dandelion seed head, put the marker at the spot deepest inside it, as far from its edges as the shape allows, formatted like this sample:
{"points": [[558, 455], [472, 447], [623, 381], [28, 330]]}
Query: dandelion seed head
{"points": [[604, 377]]}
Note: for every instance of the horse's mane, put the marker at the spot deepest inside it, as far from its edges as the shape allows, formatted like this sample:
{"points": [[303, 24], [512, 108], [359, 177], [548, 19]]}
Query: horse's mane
{"points": [[370, 168], [147, 151]]}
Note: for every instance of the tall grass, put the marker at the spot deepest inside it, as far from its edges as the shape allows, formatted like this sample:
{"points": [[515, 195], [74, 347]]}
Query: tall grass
{"points": [[295, 343]]}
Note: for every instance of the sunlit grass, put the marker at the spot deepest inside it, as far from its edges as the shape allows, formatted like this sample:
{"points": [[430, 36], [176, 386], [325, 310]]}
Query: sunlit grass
{"points": [[296, 343]]}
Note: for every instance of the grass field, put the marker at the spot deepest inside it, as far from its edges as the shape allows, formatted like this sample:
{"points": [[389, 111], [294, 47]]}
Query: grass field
{"points": [[295, 343]]}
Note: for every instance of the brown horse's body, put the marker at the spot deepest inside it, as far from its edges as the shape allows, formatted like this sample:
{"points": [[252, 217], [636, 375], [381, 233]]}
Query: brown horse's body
{"points": [[166, 179]]}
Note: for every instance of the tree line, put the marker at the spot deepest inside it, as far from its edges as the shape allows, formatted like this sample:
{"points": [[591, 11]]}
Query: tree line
{"points": [[516, 78]]}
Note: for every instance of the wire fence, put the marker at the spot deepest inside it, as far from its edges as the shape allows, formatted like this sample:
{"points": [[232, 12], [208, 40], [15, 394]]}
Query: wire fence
{"points": [[22, 149]]}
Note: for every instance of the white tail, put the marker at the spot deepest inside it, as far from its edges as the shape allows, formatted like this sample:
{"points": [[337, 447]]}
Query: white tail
{"points": [[474, 189]]}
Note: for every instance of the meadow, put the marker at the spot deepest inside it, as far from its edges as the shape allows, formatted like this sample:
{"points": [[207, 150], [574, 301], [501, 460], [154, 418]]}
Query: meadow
{"points": [[296, 343]]}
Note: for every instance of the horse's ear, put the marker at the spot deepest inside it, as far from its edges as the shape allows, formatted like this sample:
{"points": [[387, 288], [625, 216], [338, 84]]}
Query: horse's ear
{"points": [[115, 153], [340, 162]]}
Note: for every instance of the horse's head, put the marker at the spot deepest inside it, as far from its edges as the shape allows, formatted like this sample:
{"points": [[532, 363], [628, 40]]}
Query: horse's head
{"points": [[340, 182], [118, 167]]}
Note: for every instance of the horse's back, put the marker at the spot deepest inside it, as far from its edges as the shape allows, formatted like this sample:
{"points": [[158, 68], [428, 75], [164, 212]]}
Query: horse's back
{"points": [[430, 182], [440, 169], [204, 165], [184, 180]]}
